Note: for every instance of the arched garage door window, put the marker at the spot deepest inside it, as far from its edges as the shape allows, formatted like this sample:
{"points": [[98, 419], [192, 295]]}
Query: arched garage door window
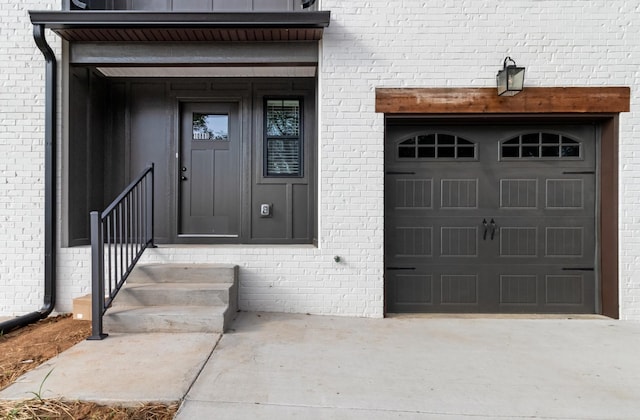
{"points": [[436, 146], [543, 145]]}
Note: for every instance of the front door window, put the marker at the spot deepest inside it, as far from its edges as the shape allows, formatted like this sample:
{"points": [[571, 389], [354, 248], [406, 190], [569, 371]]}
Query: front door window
{"points": [[210, 126]]}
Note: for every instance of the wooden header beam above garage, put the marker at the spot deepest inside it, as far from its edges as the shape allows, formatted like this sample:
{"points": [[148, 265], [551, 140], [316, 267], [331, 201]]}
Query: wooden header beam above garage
{"points": [[532, 100]]}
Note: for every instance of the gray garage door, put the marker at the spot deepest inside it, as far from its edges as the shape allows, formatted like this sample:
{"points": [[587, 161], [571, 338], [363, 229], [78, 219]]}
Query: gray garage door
{"points": [[490, 218]]}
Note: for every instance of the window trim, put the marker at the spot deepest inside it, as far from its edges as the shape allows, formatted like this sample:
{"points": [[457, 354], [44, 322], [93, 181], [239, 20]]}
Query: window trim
{"points": [[300, 137]]}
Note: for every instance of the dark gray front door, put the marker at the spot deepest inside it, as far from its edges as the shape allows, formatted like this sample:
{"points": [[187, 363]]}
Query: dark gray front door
{"points": [[210, 177], [490, 218]]}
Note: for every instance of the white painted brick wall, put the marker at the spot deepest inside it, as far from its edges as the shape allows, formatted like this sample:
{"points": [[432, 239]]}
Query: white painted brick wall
{"points": [[21, 159], [412, 43], [370, 43]]}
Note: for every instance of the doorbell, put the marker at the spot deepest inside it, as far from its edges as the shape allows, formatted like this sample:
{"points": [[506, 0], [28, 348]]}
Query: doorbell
{"points": [[265, 210]]}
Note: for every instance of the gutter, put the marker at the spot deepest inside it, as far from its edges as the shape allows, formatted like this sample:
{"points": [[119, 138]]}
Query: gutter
{"points": [[49, 189]]}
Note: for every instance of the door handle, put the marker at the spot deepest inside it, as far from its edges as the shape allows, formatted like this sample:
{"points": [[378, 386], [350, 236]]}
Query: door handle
{"points": [[484, 234], [183, 178], [493, 228]]}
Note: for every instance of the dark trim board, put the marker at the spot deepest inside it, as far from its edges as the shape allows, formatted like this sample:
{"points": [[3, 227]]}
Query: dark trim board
{"points": [[136, 26], [609, 275], [598, 105]]}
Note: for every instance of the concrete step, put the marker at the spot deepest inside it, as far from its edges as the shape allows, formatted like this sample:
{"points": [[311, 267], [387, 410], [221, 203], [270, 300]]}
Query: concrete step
{"points": [[180, 294], [175, 298], [183, 273], [166, 319]]}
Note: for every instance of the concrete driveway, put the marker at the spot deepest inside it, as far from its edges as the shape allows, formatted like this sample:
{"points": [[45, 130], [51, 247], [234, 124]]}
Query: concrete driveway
{"points": [[288, 366], [281, 366]]}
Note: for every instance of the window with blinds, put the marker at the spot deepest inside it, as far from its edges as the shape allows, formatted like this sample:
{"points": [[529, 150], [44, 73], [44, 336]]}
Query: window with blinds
{"points": [[283, 145]]}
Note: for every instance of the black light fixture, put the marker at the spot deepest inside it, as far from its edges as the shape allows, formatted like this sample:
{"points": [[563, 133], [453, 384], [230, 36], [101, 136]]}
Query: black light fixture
{"points": [[510, 79], [77, 4], [307, 3]]}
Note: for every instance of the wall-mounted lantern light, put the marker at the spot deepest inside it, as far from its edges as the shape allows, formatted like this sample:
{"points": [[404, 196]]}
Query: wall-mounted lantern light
{"points": [[510, 79], [77, 4]]}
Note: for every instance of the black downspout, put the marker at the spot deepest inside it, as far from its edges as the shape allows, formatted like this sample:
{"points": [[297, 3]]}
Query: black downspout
{"points": [[49, 189]]}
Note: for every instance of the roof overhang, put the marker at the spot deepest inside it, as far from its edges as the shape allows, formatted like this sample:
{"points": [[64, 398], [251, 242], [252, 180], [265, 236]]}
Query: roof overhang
{"points": [[136, 26]]}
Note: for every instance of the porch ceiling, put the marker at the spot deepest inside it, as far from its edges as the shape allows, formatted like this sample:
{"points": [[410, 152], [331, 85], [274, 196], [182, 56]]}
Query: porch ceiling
{"points": [[127, 26]]}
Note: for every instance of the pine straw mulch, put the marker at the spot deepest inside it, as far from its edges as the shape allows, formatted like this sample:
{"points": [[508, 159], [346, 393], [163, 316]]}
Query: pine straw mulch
{"points": [[58, 409], [25, 349]]}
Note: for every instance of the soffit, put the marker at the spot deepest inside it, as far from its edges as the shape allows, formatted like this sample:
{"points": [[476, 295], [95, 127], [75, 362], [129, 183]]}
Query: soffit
{"points": [[128, 26]]}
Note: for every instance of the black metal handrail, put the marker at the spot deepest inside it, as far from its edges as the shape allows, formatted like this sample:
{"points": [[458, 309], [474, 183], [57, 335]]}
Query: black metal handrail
{"points": [[119, 236]]}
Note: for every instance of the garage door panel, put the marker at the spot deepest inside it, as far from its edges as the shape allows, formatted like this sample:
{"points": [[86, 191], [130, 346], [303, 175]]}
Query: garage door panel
{"points": [[518, 241], [414, 289], [454, 244], [459, 241], [564, 194], [413, 193], [409, 292], [519, 290], [413, 241], [565, 289], [565, 242], [519, 193], [562, 238], [462, 288], [457, 193], [459, 289], [547, 196], [456, 239], [550, 287]]}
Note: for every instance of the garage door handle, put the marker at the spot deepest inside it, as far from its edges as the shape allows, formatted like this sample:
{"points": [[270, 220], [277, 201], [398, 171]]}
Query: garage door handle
{"points": [[484, 234], [493, 228]]}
